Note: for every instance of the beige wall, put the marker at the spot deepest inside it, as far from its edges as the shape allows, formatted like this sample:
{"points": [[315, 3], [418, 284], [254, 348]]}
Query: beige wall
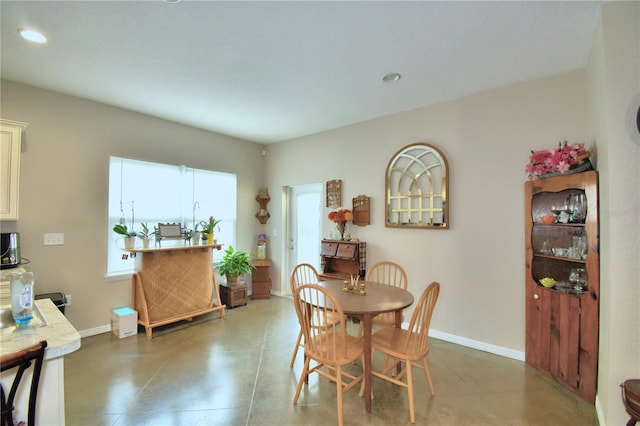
{"points": [[614, 87], [64, 187], [487, 140]]}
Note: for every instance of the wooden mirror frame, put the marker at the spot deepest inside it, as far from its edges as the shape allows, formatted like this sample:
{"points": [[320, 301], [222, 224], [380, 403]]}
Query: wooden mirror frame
{"points": [[417, 188]]}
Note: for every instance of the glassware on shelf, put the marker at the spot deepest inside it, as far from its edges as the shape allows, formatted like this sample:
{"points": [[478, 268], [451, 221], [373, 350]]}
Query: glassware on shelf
{"points": [[579, 208], [557, 209], [545, 248], [578, 279]]}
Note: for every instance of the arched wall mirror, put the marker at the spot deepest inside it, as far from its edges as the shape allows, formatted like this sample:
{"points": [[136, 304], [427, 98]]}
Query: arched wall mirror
{"points": [[417, 184]]}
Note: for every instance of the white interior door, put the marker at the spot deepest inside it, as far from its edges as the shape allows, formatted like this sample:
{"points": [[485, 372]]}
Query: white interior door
{"points": [[305, 225]]}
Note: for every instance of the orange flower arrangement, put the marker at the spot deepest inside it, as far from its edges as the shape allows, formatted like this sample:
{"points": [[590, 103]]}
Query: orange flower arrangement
{"points": [[341, 216]]}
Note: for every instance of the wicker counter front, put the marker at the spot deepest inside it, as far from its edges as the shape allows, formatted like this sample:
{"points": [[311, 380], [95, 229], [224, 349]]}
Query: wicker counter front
{"points": [[174, 284]]}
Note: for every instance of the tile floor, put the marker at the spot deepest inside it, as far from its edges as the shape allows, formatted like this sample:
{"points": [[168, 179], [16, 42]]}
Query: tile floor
{"points": [[235, 371]]}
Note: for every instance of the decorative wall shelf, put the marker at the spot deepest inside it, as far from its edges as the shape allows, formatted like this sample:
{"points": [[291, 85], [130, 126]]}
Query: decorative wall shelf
{"points": [[263, 199]]}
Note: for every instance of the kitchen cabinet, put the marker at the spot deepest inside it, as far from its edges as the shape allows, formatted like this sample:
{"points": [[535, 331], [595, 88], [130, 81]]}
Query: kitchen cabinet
{"points": [[561, 322], [261, 279], [341, 260], [10, 145]]}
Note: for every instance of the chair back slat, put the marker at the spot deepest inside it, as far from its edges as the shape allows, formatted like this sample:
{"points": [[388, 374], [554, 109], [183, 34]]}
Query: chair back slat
{"points": [[417, 341], [389, 273], [322, 321], [303, 273]]}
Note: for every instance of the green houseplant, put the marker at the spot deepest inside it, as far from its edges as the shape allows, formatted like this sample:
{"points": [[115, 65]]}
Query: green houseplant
{"points": [[234, 264], [129, 236], [208, 228], [145, 235]]}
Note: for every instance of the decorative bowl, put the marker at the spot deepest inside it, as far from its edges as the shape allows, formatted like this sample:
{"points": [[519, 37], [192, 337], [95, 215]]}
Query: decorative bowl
{"points": [[548, 282], [548, 219]]}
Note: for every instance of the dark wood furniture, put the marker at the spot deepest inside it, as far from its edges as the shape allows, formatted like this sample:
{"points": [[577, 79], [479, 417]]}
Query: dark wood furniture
{"points": [[261, 279], [562, 324], [631, 399], [233, 295], [378, 298], [343, 259], [22, 360], [173, 284]]}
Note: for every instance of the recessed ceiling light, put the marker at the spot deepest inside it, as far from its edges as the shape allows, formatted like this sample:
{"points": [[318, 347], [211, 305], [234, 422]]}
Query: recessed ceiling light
{"points": [[172, 1], [32, 35], [392, 77]]}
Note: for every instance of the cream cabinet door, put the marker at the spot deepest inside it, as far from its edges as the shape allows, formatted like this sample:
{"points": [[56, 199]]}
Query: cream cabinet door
{"points": [[11, 132]]}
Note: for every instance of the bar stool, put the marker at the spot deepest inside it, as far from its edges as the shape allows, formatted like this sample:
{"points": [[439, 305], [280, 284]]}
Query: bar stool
{"points": [[22, 359]]}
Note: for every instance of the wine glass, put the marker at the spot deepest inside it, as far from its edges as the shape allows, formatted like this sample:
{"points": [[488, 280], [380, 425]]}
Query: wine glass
{"points": [[578, 279], [556, 209], [580, 206]]}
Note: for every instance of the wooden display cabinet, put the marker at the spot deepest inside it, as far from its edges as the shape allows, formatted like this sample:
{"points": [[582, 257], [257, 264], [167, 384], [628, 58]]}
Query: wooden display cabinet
{"points": [[561, 323], [261, 279], [342, 260]]}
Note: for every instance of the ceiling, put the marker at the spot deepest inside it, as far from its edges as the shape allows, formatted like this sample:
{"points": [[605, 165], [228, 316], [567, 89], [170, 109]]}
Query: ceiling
{"points": [[272, 71]]}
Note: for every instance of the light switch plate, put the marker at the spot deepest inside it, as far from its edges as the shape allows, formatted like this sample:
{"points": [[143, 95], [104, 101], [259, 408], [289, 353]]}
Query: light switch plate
{"points": [[53, 239]]}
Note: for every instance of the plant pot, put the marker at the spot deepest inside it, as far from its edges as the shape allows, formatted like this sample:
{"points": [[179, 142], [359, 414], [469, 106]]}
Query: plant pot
{"points": [[210, 238], [129, 243], [233, 280], [145, 243], [196, 238]]}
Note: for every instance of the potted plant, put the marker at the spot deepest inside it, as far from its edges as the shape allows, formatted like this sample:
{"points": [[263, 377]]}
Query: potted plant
{"points": [[145, 235], [234, 264], [195, 235], [129, 236], [208, 229]]}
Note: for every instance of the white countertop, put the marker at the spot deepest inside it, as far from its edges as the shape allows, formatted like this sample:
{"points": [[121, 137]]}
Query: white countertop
{"points": [[62, 338]]}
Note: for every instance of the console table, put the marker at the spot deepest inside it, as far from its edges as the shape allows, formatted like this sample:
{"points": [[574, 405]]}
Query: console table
{"points": [[173, 284]]}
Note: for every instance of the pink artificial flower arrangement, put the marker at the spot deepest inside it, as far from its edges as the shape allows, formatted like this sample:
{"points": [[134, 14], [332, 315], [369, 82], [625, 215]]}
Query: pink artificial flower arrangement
{"points": [[557, 160]]}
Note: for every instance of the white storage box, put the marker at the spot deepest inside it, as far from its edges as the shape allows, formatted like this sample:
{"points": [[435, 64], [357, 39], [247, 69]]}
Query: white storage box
{"points": [[124, 322]]}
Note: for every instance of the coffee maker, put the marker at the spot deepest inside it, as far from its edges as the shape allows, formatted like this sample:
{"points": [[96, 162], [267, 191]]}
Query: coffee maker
{"points": [[10, 251]]}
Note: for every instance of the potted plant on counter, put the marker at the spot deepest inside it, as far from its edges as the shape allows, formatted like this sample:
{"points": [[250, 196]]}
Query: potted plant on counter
{"points": [[129, 236], [234, 264], [145, 235], [208, 228]]}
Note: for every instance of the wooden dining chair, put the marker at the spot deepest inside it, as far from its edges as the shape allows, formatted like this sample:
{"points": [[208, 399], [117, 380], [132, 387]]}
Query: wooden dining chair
{"points": [[22, 360], [328, 345], [389, 273], [407, 347], [302, 273]]}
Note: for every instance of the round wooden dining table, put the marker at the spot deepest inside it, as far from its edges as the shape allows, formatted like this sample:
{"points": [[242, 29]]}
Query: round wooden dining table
{"points": [[379, 298]]}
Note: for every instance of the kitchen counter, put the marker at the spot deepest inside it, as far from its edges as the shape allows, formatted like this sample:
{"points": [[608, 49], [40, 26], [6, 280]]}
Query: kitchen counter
{"points": [[62, 338]]}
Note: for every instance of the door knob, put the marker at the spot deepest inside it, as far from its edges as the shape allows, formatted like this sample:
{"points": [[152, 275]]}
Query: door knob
{"points": [[535, 296]]}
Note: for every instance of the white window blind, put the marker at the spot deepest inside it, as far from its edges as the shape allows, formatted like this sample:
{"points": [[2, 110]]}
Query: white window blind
{"points": [[145, 192]]}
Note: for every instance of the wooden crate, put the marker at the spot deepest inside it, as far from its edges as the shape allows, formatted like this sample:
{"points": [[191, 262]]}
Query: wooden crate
{"points": [[233, 295]]}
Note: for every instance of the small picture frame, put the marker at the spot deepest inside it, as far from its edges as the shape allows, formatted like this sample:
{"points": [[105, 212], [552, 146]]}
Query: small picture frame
{"points": [[169, 230]]}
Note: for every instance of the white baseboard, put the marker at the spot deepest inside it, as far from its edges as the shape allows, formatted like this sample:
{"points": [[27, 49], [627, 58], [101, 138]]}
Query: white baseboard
{"points": [[476, 344], [463, 341], [96, 330]]}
